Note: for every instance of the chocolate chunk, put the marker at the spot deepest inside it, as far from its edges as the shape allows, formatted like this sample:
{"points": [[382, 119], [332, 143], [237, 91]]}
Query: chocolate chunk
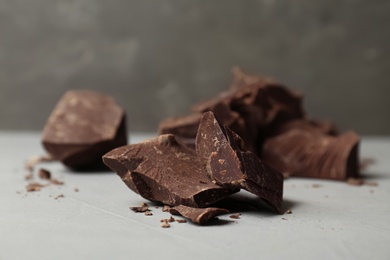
{"points": [[253, 107], [83, 126], [44, 174], [197, 215], [163, 169], [313, 154], [228, 163]]}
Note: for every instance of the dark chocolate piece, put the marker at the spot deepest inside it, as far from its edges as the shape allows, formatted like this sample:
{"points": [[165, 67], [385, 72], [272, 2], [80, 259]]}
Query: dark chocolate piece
{"points": [[198, 215], [231, 166], [313, 154], [140, 209], [253, 107], [83, 126], [163, 169]]}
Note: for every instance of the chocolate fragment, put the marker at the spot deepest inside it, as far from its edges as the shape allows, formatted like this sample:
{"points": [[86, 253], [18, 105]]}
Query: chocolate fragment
{"points": [[83, 126], [171, 219], [166, 208], [34, 187], [30, 164], [44, 174], [231, 166], [355, 181], [289, 211], [139, 209], [59, 196], [197, 215], [181, 221], [56, 182], [148, 213], [163, 169], [165, 223], [313, 154], [235, 216]]}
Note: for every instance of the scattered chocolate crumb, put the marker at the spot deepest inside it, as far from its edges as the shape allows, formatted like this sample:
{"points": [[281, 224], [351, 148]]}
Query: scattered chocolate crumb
{"points": [[59, 196], [76, 190], [148, 213], [56, 182], [171, 219], [181, 221], [34, 187], [143, 204], [37, 159], [203, 182], [166, 208], [284, 218], [355, 182], [289, 211], [139, 209], [164, 223], [44, 174], [315, 185], [371, 183], [29, 176], [235, 216]]}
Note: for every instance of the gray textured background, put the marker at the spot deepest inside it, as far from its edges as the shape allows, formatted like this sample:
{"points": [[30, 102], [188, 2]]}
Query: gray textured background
{"points": [[157, 57]]}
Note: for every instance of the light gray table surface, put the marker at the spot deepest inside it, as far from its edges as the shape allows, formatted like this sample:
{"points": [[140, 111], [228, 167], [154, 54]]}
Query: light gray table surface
{"points": [[330, 220]]}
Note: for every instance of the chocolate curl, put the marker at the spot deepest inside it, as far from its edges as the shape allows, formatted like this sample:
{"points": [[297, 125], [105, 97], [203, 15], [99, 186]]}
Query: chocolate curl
{"points": [[312, 154]]}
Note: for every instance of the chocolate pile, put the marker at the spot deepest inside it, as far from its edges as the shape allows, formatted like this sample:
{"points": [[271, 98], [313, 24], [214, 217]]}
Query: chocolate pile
{"points": [[272, 122], [165, 170], [83, 126]]}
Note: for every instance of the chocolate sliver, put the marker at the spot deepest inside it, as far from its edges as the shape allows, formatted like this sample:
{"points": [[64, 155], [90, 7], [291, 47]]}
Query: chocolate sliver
{"points": [[312, 154], [229, 165], [197, 215], [165, 170], [83, 126]]}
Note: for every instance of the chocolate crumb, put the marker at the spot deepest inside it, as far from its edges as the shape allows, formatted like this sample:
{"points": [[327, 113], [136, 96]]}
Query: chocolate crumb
{"points": [[371, 183], [29, 176], [139, 209], [289, 211], [37, 159], [34, 187], [203, 182], [59, 196], [166, 208], [235, 216], [315, 185], [56, 182], [355, 182], [284, 218], [143, 204], [76, 190], [44, 174], [181, 221], [164, 223], [148, 213], [171, 219]]}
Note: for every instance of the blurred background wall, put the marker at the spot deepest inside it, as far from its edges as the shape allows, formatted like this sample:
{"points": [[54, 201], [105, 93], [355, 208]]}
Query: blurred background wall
{"points": [[158, 57]]}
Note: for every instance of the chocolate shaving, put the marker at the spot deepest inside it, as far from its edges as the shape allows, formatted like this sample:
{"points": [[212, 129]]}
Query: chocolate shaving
{"points": [[197, 215]]}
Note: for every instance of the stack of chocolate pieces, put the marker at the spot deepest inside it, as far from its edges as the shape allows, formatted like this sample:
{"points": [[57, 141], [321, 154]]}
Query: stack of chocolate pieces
{"points": [[271, 120], [166, 170]]}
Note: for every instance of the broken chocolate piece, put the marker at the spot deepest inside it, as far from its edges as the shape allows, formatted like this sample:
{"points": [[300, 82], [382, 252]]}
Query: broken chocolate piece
{"points": [[313, 154], [148, 213], [163, 169], [224, 156], [198, 215], [34, 187], [83, 126], [165, 223]]}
